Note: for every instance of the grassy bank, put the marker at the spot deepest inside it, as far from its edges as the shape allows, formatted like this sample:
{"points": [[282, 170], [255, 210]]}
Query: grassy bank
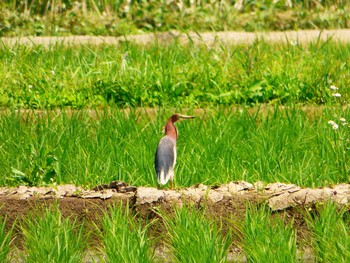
{"points": [[173, 75], [92, 17]]}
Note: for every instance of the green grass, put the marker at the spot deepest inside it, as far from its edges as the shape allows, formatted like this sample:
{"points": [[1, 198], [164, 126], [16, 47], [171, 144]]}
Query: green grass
{"points": [[194, 238], [267, 239], [189, 235], [217, 147], [330, 228], [124, 238], [119, 17], [49, 237], [173, 76], [5, 239]]}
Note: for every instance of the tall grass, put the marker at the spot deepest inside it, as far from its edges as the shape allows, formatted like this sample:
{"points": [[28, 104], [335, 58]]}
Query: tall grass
{"points": [[5, 239], [267, 239], [124, 17], [216, 147], [50, 237], [172, 75], [124, 238], [194, 238], [330, 238]]}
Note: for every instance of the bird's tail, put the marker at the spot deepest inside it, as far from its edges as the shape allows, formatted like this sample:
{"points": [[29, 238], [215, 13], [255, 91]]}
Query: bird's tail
{"points": [[163, 177]]}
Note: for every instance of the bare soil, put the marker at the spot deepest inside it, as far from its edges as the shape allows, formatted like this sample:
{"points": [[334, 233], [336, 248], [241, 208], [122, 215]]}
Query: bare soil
{"points": [[209, 38]]}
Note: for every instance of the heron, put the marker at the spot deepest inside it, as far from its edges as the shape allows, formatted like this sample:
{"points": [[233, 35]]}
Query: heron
{"points": [[165, 157]]}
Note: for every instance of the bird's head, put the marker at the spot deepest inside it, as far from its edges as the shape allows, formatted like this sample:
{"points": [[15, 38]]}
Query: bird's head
{"points": [[170, 128], [176, 117]]}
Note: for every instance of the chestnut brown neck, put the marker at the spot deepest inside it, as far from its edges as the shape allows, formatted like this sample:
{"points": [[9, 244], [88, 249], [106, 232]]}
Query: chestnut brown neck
{"points": [[170, 129]]}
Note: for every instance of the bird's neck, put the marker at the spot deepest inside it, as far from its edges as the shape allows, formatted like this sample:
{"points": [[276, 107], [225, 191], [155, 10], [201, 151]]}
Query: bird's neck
{"points": [[170, 130]]}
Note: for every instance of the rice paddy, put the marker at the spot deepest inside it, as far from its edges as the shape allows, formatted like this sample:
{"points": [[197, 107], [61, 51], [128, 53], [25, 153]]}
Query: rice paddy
{"points": [[88, 115], [192, 236], [219, 146]]}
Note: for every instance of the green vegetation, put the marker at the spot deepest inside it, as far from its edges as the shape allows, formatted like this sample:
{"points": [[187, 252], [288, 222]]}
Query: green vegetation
{"points": [[193, 238], [5, 239], [267, 239], [124, 238], [173, 75], [271, 112], [108, 17], [218, 146], [331, 228], [52, 238], [190, 234]]}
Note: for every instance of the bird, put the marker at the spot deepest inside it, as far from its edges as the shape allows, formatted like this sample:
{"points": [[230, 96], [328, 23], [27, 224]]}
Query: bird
{"points": [[165, 157]]}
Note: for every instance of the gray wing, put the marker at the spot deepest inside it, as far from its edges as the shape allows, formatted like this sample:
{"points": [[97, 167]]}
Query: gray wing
{"points": [[164, 160]]}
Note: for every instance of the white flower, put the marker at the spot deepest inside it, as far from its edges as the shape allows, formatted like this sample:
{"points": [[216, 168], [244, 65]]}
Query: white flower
{"points": [[30, 86], [337, 95], [333, 87], [333, 124], [53, 72], [343, 121], [126, 9]]}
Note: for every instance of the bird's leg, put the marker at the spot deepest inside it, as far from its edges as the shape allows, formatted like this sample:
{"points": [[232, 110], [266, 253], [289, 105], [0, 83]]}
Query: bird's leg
{"points": [[171, 184], [158, 186]]}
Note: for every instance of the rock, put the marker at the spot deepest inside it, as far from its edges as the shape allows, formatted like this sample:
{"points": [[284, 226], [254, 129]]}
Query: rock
{"points": [[215, 196], [24, 196], [106, 194], [4, 190], [66, 190], [258, 185], [91, 194], [194, 195], [148, 195], [234, 188], [172, 197], [21, 189]]}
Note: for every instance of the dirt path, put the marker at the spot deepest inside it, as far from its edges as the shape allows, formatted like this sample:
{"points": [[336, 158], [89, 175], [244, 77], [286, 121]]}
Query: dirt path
{"points": [[210, 38]]}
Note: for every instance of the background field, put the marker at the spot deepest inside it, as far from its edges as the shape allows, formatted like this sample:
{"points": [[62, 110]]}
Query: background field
{"points": [[115, 18], [174, 75]]}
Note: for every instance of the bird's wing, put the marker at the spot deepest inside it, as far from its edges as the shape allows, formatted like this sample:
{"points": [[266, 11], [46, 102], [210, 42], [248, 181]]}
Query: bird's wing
{"points": [[165, 159]]}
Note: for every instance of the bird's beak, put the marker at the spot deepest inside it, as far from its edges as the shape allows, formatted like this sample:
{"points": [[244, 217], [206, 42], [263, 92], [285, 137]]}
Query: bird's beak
{"points": [[184, 117]]}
